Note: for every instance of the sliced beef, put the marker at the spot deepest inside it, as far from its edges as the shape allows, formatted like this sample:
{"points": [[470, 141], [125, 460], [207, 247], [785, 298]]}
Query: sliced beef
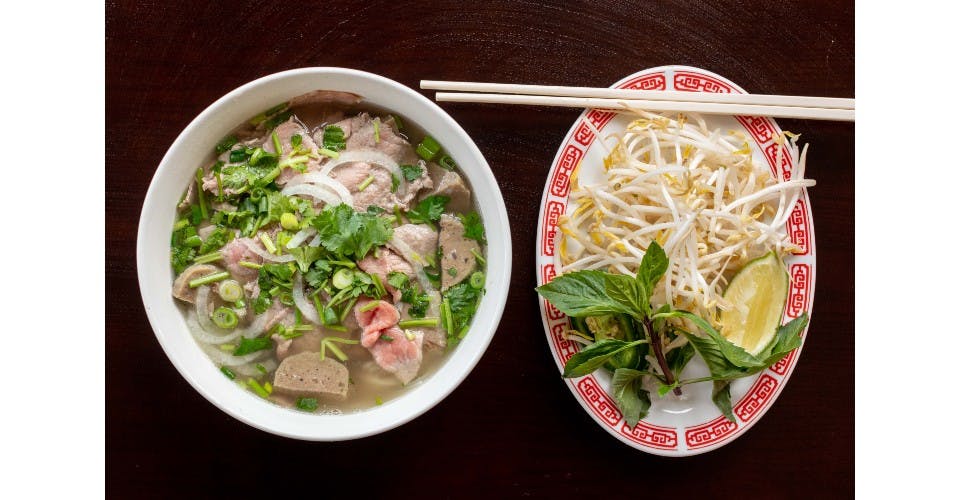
{"points": [[306, 375], [333, 97], [387, 262], [235, 252], [457, 260], [420, 239], [398, 354], [181, 286], [285, 132], [388, 344], [378, 192]]}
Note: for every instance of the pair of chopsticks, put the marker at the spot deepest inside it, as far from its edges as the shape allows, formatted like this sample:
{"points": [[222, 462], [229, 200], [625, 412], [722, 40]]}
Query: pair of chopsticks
{"points": [[781, 106]]}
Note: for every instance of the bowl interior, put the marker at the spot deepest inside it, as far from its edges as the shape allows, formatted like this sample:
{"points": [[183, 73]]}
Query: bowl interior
{"points": [[155, 274]]}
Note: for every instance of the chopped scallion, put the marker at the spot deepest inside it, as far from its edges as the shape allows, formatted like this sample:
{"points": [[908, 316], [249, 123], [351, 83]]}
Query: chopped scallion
{"points": [[378, 401], [249, 265], [369, 306], [342, 279], [366, 182], [378, 285], [257, 388], [210, 278], [329, 152], [268, 387], [225, 318], [201, 198], [447, 162], [277, 147], [289, 221], [428, 148], [477, 280], [376, 130], [480, 259], [228, 372], [268, 243], [208, 258], [182, 223], [230, 291], [262, 369]]}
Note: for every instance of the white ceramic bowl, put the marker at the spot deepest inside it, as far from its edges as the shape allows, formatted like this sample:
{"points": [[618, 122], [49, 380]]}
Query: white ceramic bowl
{"points": [[156, 276]]}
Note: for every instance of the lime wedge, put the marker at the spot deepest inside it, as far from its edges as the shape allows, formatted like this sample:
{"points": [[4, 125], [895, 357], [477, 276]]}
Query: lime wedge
{"points": [[758, 294]]}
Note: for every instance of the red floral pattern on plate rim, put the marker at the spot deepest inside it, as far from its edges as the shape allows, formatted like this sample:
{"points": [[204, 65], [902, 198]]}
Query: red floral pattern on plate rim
{"points": [[767, 386]]}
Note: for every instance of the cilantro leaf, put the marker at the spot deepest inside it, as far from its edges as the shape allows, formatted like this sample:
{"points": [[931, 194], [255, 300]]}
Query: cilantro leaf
{"points": [[462, 300], [318, 274], [216, 240], [411, 172], [350, 234], [226, 143], [248, 346], [305, 256], [473, 227], [429, 209], [333, 138]]}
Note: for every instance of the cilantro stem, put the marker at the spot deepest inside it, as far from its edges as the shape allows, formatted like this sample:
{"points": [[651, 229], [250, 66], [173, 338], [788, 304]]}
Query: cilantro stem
{"points": [[370, 306], [411, 323], [346, 310], [249, 265], [182, 223], [200, 196], [276, 143], [329, 152], [210, 257]]}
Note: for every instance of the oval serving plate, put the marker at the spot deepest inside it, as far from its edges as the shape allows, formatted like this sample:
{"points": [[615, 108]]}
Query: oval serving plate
{"points": [[692, 424]]}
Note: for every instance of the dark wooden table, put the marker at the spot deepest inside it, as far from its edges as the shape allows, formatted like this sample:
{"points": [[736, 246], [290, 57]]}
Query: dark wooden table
{"points": [[512, 428]]}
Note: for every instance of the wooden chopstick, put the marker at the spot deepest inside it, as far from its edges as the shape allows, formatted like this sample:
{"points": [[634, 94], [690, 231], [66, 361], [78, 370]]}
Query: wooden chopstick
{"points": [[647, 95], [815, 108]]}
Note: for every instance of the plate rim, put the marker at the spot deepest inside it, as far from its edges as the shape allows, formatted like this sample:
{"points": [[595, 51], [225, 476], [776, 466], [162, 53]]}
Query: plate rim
{"points": [[740, 427]]}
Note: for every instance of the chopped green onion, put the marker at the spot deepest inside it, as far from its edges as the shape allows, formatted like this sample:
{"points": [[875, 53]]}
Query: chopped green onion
{"points": [[413, 323], [386, 338], [447, 162], [286, 298], [346, 309], [366, 182], [378, 285], [267, 179], [257, 388], [277, 147], [477, 280], [289, 221], [268, 243], [378, 401], [328, 342], [329, 152], [376, 130], [463, 332], [210, 278], [369, 306], [394, 183], [428, 149], [230, 291], [398, 214], [256, 155], [193, 241], [396, 119], [480, 259], [344, 263], [228, 372], [249, 265], [343, 278], [307, 404], [224, 318], [447, 315], [227, 347], [268, 387], [182, 223], [200, 196], [410, 335], [262, 369], [339, 328], [208, 258]]}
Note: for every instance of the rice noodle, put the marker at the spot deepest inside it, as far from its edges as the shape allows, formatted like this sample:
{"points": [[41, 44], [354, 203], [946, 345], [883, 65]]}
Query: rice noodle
{"points": [[306, 308], [226, 359], [697, 191]]}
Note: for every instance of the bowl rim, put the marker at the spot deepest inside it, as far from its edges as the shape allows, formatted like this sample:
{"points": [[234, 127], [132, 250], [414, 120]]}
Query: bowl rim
{"points": [[416, 400]]}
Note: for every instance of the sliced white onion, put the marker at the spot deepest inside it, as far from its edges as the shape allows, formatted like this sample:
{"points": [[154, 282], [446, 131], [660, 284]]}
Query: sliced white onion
{"points": [[250, 369], [306, 308], [315, 242], [226, 359], [368, 156], [322, 180], [414, 259], [300, 237], [252, 245], [258, 326], [312, 190]]}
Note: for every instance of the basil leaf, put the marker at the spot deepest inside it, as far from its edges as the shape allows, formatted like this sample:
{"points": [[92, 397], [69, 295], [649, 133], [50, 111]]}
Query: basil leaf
{"points": [[652, 267], [582, 293], [595, 355], [678, 358], [629, 394], [785, 340], [732, 352], [720, 368], [721, 398], [628, 292]]}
